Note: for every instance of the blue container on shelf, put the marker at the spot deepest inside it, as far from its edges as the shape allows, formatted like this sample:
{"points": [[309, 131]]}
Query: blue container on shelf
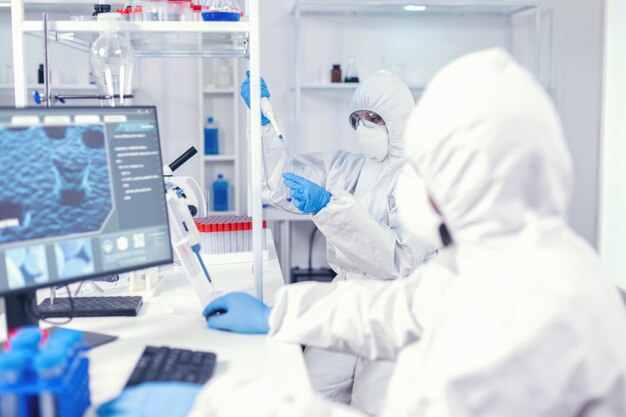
{"points": [[220, 194], [221, 16], [211, 144]]}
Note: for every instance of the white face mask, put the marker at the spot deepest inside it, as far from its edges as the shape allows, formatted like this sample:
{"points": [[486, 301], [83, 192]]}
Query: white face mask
{"points": [[374, 141], [417, 214]]}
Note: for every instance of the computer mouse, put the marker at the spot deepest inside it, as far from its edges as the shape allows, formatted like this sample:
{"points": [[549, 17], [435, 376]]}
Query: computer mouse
{"points": [[217, 312]]}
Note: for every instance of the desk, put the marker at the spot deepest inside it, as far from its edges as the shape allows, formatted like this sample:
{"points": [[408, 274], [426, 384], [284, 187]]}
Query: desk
{"points": [[173, 318]]}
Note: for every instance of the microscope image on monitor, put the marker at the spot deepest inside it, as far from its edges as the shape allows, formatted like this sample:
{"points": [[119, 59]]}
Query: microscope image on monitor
{"points": [[61, 182], [81, 197]]}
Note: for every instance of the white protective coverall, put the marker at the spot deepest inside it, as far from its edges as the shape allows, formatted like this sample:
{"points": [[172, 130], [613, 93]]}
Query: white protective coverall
{"points": [[518, 318], [363, 233]]}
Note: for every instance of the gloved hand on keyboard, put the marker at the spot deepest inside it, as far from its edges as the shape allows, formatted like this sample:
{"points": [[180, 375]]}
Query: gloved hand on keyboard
{"points": [[238, 312]]}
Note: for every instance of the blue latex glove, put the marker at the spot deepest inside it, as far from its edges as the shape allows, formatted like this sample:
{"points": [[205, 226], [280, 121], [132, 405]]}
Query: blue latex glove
{"points": [[153, 399], [238, 312], [245, 94], [307, 196]]}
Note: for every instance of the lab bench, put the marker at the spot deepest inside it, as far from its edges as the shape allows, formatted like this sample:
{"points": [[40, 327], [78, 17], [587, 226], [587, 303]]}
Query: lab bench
{"points": [[174, 318]]}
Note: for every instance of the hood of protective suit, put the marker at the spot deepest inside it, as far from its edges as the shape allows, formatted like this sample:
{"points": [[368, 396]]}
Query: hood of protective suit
{"points": [[490, 148], [389, 97]]}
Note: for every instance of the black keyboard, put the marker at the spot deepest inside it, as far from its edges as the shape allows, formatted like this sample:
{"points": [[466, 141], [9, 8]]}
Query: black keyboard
{"points": [[172, 365], [91, 307]]}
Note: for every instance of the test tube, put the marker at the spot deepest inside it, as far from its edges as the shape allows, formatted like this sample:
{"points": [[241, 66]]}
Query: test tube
{"points": [[211, 229], [69, 340], [50, 364], [239, 235], [26, 338], [248, 234], [207, 235], [203, 235], [220, 237], [12, 366], [226, 235], [198, 228], [232, 228]]}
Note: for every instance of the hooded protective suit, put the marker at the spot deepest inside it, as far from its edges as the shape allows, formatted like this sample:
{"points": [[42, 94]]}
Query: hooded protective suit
{"points": [[363, 233], [518, 317]]}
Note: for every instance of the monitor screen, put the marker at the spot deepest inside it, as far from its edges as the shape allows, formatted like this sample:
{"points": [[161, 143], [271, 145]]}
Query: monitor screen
{"points": [[81, 195]]}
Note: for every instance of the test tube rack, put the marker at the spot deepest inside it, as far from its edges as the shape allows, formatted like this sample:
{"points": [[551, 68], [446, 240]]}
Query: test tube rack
{"points": [[228, 239], [70, 391]]}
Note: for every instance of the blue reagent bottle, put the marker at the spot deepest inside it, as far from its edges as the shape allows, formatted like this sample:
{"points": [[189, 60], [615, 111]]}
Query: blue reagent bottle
{"points": [[211, 144], [220, 194]]}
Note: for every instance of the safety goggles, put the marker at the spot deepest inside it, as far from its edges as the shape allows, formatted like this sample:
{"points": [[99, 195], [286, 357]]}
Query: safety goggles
{"points": [[367, 118]]}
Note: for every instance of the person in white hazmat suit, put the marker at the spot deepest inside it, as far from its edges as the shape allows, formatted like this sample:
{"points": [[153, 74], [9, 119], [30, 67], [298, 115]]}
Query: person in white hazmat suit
{"points": [[357, 215], [516, 318]]}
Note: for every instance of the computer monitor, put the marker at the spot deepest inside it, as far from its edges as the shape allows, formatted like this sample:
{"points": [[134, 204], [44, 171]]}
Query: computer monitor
{"points": [[81, 195]]}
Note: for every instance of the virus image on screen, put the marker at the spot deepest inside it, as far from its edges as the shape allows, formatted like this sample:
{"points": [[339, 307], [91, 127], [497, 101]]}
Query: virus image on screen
{"points": [[55, 182]]}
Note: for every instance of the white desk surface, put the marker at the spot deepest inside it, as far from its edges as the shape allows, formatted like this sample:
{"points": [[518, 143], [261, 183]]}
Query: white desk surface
{"points": [[173, 318]]}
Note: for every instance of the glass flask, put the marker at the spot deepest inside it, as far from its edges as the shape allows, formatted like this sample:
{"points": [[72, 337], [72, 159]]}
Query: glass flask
{"points": [[221, 10], [111, 58], [352, 76]]}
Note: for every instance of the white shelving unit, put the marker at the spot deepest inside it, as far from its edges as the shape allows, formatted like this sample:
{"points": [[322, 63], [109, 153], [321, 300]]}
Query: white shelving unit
{"points": [[64, 87], [229, 138], [218, 91], [406, 9], [343, 87], [219, 158], [237, 40], [332, 23]]}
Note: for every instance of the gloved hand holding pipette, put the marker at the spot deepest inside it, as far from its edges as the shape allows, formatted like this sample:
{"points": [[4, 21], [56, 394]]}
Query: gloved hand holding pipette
{"points": [[267, 113]]}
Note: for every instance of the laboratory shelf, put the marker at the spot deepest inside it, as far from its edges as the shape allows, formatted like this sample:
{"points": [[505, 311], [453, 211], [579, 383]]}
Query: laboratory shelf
{"points": [[219, 158], [55, 88], [343, 87], [410, 8], [95, 27], [156, 39], [218, 91], [72, 7], [222, 213]]}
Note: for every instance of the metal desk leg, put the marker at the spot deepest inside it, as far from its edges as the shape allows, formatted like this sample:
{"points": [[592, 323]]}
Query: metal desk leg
{"points": [[285, 249]]}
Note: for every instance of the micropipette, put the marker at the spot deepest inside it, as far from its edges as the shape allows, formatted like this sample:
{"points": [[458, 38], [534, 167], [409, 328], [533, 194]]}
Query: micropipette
{"points": [[267, 110]]}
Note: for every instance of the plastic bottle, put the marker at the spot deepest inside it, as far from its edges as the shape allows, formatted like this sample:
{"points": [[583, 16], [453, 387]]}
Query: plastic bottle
{"points": [[211, 144], [101, 8], [335, 74], [40, 77], [196, 10], [220, 194], [112, 59]]}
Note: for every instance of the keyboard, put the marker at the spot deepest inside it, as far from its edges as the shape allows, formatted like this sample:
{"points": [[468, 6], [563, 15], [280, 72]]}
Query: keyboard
{"points": [[172, 365], [91, 307]]}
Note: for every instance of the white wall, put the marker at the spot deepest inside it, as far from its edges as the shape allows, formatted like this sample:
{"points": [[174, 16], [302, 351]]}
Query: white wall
{"points": [[613, 195], [578, 46], [172, 85]]}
